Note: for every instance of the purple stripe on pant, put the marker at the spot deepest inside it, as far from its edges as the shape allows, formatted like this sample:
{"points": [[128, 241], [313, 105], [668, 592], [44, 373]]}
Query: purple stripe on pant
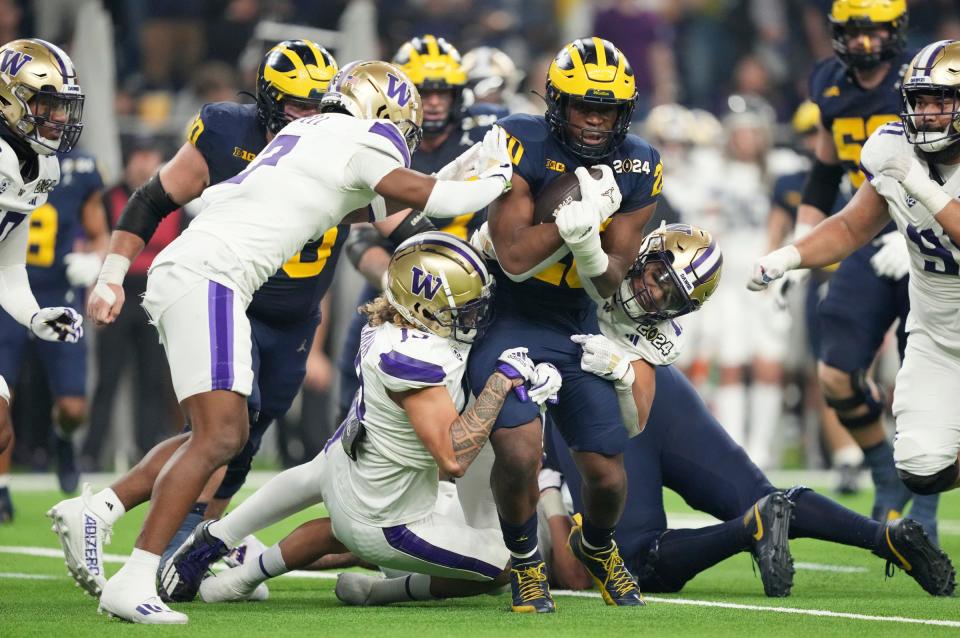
{"points": [[220, 317], [402, 539]]}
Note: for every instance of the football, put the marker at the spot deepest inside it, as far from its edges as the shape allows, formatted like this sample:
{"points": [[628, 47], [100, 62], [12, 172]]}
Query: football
{"points": [[560, 191]]}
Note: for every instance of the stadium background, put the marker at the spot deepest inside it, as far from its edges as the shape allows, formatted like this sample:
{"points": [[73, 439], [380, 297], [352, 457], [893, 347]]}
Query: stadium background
{"points": [[146, 66]]}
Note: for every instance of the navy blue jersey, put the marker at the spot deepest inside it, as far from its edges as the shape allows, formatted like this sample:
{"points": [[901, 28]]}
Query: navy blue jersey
{"points": [[229, 135], [473, 127], [56, 226], [788, 189], [850, 113], [539, 158]]}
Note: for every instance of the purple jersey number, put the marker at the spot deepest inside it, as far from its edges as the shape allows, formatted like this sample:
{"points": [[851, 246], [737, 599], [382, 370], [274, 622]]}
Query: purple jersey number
{"points": [[930, 245], [269, 156]]}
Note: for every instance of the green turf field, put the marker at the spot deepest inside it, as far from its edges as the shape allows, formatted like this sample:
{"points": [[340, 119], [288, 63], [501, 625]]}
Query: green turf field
{"points": [[837, 591]]}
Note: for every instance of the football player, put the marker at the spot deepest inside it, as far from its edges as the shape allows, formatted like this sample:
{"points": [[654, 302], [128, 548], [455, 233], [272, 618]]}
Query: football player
{"points": [[378, 474], [493, 79], [449, 128], [41, 112], [59, 275], [369, 126], [685, 449], [542, 299], [857, 93], [911, 167]]}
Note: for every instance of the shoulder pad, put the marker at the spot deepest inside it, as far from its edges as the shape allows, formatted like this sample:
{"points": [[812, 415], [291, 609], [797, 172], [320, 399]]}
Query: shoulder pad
{"points": [[658, 344], [887, 140], [526, 128], [384, 136], [825, 75], [414, 359]]}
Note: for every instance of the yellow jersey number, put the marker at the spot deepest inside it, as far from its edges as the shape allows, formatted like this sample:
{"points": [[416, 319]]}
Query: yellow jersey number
{"points": [[849, 134], [42, 239], [309, 263]]}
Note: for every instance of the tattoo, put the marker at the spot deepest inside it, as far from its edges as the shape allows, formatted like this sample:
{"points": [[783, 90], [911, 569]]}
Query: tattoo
{"points": [[472, 428]]}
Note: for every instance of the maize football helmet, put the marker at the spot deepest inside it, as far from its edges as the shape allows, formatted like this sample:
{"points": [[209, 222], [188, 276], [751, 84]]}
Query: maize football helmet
{"points": [[677, 270], [490, 71], [806, 118], [293, 71], [440, 284], [377, 91], [848, 16], [40, 100], [433, 64], [934, 72], [594, 71]]}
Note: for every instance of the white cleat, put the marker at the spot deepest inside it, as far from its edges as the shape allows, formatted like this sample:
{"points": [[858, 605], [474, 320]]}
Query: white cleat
{"points": [[228, 586], [82, 535], [148, 611], [249, 547], [354, 589]]}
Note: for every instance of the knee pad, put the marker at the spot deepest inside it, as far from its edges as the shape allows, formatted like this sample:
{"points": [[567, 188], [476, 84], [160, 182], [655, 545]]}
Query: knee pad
{"points": [[862, 396], [933, 484]]}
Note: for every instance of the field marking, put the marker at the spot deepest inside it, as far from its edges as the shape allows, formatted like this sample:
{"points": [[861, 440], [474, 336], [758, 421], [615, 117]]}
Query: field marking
{"points": [[117, 558], [838, 569]]}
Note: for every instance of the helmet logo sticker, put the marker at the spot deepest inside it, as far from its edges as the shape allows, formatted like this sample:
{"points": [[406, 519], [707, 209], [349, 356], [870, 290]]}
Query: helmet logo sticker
{"points": [[425, 285], [13, 61], [398, 90]]}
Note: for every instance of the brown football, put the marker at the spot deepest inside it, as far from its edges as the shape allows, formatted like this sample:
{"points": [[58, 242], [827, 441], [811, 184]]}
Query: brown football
{"points": [[559, 192]]}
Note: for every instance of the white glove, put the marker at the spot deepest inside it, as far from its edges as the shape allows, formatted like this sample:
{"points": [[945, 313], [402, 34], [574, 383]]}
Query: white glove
{"points": [[602, 194], [482, 243], [893, 258], [603, 357], [493, 160], [915, 179], [57, 324], [579, 221], [546, 384], [773, 266], [463, 167], [780, 288], [515, 364], [82, 268]]}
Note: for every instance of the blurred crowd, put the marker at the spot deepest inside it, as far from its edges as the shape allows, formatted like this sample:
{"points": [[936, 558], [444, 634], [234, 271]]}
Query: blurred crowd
{"points": [[722, 86]]}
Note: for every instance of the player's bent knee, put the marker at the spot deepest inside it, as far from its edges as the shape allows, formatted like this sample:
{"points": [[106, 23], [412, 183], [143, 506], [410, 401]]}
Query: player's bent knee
{"points": [[861, 406], [71, 412], [935, 483], [833, 381]]}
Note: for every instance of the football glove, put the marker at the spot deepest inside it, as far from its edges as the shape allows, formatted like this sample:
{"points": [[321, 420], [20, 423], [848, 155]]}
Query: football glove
{"points": [[602, 357], [546, 384], [482, 243], [773, 266], [57, 324], [82, 268], [893, 258], [602, 194], [515, 364], [463, 166], [914, 178], [493, 160]]}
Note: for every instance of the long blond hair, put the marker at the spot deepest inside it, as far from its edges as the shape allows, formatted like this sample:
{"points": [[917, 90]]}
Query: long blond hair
{"points": [[379, 311]]}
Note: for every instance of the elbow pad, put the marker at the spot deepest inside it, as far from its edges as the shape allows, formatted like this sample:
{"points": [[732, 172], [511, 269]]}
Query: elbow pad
{"points": [[414, 223], [822, 186], [147, 207], [362, 239]]}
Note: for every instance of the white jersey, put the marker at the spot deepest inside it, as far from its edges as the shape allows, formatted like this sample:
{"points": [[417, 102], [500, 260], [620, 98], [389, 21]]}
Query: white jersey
{"points": [[394, 479], [314, 173], [18, 199], [934, 258], [658, 344]]}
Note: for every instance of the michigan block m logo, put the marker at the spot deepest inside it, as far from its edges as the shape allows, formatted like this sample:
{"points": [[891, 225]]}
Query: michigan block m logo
{"points": [[13, 61], [425, 284], [398, 89]]}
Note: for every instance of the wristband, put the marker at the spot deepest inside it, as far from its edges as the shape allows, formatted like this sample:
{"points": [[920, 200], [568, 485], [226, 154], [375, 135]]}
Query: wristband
{"points": [[114, 269]]}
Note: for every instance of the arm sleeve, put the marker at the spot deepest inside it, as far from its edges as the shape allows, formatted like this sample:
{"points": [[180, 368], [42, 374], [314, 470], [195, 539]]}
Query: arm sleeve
{"points": [[452, 199], [15, 294]]}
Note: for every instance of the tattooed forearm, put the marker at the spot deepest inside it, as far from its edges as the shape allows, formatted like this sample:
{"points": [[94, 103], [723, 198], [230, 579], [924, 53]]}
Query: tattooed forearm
{"points": [[472, 428]]}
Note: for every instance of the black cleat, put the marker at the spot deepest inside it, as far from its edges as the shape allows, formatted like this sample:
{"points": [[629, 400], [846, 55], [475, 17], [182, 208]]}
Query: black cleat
{"points": [[769, 519], [180, 578], [914, 553], [615, 582], [528, 584], [848, 482], [6, 506]]}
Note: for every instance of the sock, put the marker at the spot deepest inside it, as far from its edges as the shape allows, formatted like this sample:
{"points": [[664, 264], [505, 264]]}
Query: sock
{"points": [[269, 564], [520, 539], [597, 538], [891, 493], [142, 568], [4, 481], [766, 402], [684, 553], [193, 518], [107, 506], [923, 509], [399, 590], [730, 403], [850, 455], [284, 495], [815, 516], [62, 434]]}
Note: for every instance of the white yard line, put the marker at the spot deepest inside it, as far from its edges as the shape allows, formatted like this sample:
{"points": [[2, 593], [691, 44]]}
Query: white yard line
{"points": [[116, 558], [838, 569]]}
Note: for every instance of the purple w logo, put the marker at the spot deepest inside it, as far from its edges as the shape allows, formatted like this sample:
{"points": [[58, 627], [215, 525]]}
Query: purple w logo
{"points": [[425, 284], [13, 61], [398, 89]]}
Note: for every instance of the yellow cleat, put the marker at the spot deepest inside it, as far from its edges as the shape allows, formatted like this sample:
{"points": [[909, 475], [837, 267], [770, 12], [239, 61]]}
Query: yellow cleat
{"points": [[615, 582]]}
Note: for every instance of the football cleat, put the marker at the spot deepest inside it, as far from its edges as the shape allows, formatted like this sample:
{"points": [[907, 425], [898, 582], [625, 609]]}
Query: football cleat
{"points": [[146, 611], [229, 586], [82, 535], [181, 576], [848, 481], [768, 522], [6, 506], [606, 567], [914, 553], [528, 584], [354, 589]]}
